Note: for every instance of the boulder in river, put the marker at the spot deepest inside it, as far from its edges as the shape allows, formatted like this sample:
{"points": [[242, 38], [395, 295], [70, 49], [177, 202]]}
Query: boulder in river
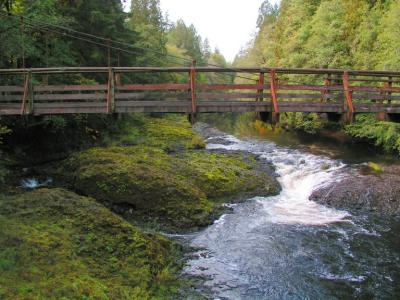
{"points": [[375, 192], [180, 191]]}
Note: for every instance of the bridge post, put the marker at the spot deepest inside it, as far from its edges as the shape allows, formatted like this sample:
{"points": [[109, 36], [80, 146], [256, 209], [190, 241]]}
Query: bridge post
{"points": [[25, 95], [111, 91], [274, 95], [27, 100], [327, 83], [384, 116], [349, 114], [192, 80], [261, 81]]}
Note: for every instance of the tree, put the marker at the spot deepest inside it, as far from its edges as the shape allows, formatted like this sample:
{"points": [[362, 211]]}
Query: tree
{"points": [[147, 20], [187, 39]]}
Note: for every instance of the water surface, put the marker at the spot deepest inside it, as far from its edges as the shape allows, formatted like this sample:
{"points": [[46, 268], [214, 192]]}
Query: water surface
{"points": [[287, 247]]}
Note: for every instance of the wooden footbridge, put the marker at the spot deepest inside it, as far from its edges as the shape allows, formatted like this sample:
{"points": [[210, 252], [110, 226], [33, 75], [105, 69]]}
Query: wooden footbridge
{"points": [[272, 91]]}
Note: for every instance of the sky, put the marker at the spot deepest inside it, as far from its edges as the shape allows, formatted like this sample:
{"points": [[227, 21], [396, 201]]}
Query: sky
{"points": [[228, 24]]}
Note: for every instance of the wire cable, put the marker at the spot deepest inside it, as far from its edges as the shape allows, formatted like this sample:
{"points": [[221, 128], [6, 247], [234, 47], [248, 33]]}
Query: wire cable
{"points": [[34, 24]]}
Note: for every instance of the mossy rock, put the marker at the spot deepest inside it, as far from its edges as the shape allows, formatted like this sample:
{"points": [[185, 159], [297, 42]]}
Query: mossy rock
{"points": [[222, 176], [143, 177], [177, 190], [55, 244]]}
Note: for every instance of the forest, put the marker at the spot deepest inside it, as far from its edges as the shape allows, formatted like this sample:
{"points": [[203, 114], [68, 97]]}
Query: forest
{"points": [[342, 34]]}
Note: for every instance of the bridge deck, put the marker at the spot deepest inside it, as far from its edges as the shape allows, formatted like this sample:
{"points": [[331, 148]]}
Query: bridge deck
{"points": [[116, 90]]}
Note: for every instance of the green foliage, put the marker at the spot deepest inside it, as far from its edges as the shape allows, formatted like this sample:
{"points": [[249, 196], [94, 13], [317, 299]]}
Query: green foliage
{"points": [[3, 131], [309, 123], [359, 34], [384, 134], [55, 244], [184, 41], [186, 38], [147, 20]]}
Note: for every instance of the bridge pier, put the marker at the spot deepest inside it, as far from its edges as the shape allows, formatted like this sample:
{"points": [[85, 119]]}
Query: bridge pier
{"points": [[343, 118], [269, 117], [333, 117], [192, 118], [388, 117]]}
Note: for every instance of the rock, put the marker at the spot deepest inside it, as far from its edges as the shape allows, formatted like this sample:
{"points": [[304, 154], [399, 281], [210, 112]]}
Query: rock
{"points": [[325, 166], [71, 247], [378, 192], [180, 191]]}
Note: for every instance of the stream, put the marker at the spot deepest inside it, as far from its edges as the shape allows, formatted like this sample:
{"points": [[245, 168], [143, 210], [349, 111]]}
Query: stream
{"points": [[287, 247]]}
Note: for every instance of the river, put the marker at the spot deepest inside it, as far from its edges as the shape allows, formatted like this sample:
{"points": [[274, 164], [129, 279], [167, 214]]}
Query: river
{"points": [[288, 247]]}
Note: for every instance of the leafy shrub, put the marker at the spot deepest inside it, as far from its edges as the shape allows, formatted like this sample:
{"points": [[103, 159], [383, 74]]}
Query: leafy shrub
{"points": [[3, 131], [309, 123], [383, 134]]}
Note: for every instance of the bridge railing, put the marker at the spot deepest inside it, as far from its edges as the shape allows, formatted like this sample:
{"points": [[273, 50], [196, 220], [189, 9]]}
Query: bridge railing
{"points": [[27, 91]]}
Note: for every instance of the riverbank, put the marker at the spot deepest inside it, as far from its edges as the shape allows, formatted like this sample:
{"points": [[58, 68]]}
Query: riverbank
{"points": [[156, 175]]}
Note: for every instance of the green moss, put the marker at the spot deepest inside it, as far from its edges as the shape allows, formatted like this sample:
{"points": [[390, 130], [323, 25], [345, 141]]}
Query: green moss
{"points": [[375, 167], [222, 175], [175, 190], [143, 177], [57, 245]]}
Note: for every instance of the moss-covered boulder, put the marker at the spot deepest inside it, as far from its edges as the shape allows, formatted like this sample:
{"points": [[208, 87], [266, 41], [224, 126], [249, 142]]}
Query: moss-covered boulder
{"points": [[230, 176], [178, 190], [55, 244], [142, 177]]}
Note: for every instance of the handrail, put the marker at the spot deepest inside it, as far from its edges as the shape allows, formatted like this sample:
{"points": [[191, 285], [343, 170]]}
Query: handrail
{"points": [[294, 71]]}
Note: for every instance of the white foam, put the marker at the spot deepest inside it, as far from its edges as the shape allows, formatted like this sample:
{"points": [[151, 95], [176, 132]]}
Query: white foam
{"points": [[299, 175], [33, 183]]}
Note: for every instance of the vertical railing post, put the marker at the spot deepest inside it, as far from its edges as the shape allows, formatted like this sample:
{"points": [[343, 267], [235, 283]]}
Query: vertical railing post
{"points": [[328, 82], [27, 98], [274, 93], [389, 85], [192, 79], [349, 97], [26, 94], [274, 96], [31, 93], [261, 81], [111, 91]]}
